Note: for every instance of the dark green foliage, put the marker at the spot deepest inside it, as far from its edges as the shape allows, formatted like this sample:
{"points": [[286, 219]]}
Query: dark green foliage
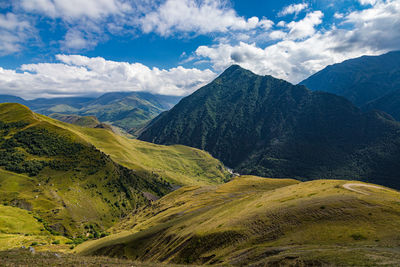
{"points": [[40, 142], [360, 80], [389, 103], [269, 127]]}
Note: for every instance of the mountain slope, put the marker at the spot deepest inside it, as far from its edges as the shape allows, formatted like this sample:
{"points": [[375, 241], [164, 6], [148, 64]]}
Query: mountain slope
{"points": [[84, 121], [360, 80], [389, 103], [258, 221], [58, 171], [268, 127], [62, 174]]}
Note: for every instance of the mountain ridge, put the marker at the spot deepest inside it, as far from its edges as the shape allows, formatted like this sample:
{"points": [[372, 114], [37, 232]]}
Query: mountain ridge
{"points": [[268, 127]]}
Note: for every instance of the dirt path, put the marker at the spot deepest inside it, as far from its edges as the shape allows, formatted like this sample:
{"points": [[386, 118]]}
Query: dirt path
{"points": [[349, 186]]}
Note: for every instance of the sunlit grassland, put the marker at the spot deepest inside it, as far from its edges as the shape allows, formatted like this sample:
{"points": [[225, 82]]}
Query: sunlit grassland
{"points": [[249, 217], [181, 165]]}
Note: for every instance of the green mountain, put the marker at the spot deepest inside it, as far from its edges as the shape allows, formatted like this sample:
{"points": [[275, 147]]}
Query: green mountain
{"points": [[77, 181], [360, 80], [389, 103], [268, 127], [129, 111], [253, 221], [84, 121]]}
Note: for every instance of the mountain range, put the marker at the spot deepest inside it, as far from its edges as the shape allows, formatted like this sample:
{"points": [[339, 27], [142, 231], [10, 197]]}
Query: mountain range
{"points": [[268, 127], [129, 111], [70, 184], [370, 82]]}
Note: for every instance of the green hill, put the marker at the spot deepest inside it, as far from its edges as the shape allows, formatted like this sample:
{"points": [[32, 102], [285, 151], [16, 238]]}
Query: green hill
{"points": [[84, 121], [63, 175], [360, 80], [258, 221], [268, 127]]}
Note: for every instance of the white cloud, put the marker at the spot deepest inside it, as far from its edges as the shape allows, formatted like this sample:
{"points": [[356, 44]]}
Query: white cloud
{"points": [[305, 27], [74, 9], [79, 75], [200, 17], [367, 2], [304, 50], [293, 9], [14, 31]]}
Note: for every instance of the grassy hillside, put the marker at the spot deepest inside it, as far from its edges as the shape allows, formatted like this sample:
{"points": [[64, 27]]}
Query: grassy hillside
{"points": [[63, 174], [75, 189], [179, 165], [19, 227], [252, 220], [84, 121]]}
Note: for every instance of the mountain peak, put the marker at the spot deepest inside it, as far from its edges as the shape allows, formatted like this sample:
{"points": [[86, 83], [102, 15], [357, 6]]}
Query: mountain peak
{"points": [[235, 70]]}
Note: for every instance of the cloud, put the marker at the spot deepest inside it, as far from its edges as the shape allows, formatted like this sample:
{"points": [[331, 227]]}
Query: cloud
{"points": [[294, 9], [14, 32], [76, 75], [74, 9], [305, 27], [303, 50], [201, 17]]}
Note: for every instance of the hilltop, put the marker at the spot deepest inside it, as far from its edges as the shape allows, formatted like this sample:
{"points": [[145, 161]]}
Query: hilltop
{"points": [[268, 127]]}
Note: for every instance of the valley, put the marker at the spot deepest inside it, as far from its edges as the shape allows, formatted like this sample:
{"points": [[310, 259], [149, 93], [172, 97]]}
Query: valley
{"points": [[75, 189]]}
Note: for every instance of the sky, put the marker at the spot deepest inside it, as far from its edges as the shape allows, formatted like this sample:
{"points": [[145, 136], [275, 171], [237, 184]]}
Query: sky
{"points": [[61, 48]]}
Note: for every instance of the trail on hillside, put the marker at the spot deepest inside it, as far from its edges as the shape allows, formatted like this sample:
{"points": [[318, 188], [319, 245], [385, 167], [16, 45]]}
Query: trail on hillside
{"points": [[349, 186]]}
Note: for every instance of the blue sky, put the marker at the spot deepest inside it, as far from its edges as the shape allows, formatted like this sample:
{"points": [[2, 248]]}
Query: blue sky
{"points": [[51, 48]]}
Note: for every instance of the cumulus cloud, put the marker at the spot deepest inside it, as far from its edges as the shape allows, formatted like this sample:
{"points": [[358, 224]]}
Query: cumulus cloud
{"points": [[14, 31], [201, 17], [305, 27], [76, 75], [295, 9], [304, 50], [75, 9]]}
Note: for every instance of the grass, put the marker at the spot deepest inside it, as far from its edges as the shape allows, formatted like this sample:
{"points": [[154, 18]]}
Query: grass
{"points": [[246, 220], [22, 257], [180, 165], [78, 184]]}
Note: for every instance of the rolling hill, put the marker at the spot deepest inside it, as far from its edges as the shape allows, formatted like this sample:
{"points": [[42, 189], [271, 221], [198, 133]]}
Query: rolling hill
{"points": [[63, 175], [258, 221], [268, 127], [360, 80]]}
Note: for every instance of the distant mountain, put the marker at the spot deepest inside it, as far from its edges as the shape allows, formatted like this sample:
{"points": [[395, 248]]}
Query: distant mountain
{"points": [[268, 127], [129, 111], [360, 80], [84, 121]]}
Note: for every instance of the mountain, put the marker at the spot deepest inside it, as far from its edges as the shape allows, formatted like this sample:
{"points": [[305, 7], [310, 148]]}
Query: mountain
{"points": [[129, 111], [84, 121], [76, 182], [268, 127], [253, 221], [389, 103], [360, 80]]}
